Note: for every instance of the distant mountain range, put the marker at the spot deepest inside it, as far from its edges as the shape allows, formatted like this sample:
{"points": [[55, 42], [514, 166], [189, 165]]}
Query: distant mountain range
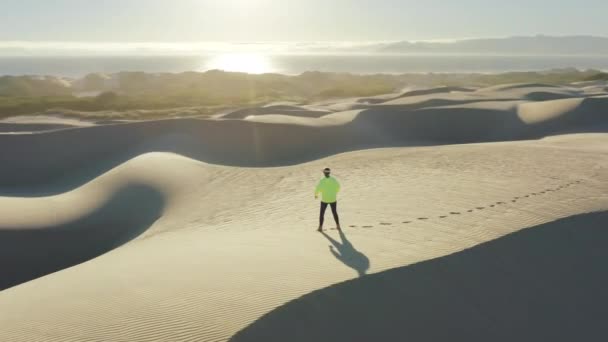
{"points": [[534, 45], [528, 45]]}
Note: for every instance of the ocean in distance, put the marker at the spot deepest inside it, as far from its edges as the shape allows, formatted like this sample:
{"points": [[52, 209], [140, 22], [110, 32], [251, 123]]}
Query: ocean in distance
{"points": [[75, 67]]}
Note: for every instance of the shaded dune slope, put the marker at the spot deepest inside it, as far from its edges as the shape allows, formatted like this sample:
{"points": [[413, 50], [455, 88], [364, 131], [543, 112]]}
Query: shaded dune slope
{"points": [[43, 158], [286, 110], [512, 86], [566, 116], [520, 86], [30, 252], [437, 90], [543, 283], [19, 127], [527, 92]]}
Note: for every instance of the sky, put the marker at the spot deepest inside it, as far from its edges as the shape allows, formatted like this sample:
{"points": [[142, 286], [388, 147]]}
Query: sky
{"points": [[172, 21]]}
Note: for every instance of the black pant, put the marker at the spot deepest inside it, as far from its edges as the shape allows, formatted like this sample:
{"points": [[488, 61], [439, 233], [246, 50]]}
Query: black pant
{"points": [[334, 211]]}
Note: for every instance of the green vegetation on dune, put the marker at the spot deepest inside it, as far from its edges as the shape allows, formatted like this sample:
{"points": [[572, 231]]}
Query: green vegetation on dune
{"points": [[96, 108], [138, 95], [30, 86], [556, 77], [552, 77], [213, 90], [602, 76]]}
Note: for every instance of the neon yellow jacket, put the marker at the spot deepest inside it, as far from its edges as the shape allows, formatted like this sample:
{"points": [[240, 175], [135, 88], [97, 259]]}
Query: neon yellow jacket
{"points": [[329, 188]]}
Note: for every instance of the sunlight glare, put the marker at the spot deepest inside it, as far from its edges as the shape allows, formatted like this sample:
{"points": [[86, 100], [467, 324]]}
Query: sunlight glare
{"points": [[242, 62]]}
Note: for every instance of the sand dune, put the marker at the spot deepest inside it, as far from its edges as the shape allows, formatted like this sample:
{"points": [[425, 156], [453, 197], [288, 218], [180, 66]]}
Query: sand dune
{"points": [[180, 230], [537, 284], [284, 110], [13, 127], [504, 87], [40, 245], [261, 141], [34, 123], [437, 90]]}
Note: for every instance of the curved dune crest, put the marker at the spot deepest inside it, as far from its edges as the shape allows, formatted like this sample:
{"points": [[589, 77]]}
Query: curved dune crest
{"points": [[504, 87], [41, 235], [437, 90], [535, 112], [18, 127], [279, 140], [30, 252], [564, 116], [278, 109]]}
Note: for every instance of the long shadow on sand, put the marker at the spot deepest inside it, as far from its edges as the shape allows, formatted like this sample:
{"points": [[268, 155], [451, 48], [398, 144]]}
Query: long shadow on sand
{"points": [[26, 254], [546, 283], [347, 254]]}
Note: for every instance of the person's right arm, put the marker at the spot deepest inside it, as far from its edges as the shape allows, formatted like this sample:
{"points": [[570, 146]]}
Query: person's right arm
{"points": [[317, 190]]}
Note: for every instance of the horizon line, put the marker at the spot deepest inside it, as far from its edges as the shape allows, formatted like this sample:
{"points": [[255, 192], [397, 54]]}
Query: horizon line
{"points": [[246, 42]]}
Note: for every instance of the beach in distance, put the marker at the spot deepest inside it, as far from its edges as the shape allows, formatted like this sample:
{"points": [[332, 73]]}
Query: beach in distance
{"points": [[365, 63]]}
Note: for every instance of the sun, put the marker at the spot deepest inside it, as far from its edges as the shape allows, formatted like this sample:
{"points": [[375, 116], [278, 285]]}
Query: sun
{"points": [[241, 62]]}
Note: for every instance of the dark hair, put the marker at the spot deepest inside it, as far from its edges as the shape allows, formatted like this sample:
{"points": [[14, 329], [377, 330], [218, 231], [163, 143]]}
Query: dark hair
{"points": [[326, 170]]}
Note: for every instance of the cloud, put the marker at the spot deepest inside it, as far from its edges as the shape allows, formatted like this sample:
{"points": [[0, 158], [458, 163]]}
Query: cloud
{"points": [[28, 48]]}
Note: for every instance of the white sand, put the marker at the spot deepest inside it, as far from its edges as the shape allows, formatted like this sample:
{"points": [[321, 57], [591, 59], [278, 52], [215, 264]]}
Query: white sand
{"points": [[207, 249]]}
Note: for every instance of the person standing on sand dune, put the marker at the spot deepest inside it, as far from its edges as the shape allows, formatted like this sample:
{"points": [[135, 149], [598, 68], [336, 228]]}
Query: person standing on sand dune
{"points": [[328, 187]]}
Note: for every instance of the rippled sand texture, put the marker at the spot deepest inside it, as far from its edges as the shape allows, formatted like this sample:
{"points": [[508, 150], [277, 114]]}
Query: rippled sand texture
{"points": [[468, 215]]}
